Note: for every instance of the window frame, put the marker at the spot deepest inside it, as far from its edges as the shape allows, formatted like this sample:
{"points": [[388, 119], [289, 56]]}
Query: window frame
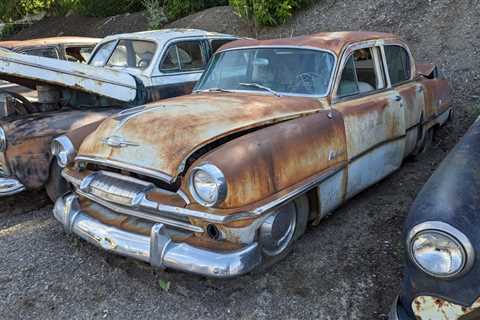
{"points": [[410, 60], [55, 48], [379, 68], [204, 47]]}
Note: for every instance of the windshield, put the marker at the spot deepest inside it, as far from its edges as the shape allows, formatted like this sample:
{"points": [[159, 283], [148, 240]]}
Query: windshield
{"points": [[281, 70], [136, 54]]}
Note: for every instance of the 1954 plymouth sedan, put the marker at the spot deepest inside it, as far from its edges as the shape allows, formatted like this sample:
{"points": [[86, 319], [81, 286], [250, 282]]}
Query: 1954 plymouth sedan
{"points": [[442, 272], [124, 70], [277, 133]]}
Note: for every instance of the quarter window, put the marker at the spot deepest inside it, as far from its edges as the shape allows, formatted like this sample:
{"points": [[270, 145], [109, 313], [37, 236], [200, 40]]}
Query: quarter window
{"points": [[102, 54], [362, 73], [43, 52], [398, 62], [184, 56]]}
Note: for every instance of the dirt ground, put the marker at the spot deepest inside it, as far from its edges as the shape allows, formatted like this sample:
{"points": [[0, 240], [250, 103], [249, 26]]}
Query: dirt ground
{"points": [[348, 267]]}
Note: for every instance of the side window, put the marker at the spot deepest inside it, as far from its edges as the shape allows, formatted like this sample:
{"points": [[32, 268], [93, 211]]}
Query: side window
{"points": [[362, 73], [43, 52], [133, 54], [398, 62], [102, 54], [184, 56], [217, 43]]}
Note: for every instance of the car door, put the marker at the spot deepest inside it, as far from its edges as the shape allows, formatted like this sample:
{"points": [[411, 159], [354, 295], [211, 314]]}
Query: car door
{"points": [[398, 63], [374, 117], [181, 66]]}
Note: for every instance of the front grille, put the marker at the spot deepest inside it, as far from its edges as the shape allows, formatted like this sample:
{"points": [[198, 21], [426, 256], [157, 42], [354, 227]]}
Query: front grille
{"points": [[116, 188], [157, 182]]}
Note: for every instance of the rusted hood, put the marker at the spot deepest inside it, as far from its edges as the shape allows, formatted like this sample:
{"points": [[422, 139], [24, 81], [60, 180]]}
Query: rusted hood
{"points": [[31, 71], [160, 137]]}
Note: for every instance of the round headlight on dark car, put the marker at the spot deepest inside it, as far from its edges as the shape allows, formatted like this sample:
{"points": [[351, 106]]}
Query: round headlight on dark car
{"points": [[62, 148], [3, 140], [440, 250], [207, 185]]}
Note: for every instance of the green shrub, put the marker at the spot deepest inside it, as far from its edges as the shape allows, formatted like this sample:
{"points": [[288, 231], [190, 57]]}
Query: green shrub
{"points": [[267, 12], [11, 10]]}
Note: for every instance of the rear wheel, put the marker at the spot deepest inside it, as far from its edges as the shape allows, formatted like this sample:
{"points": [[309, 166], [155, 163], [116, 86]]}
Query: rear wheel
{"points": [[56, 186], [280, 230]]}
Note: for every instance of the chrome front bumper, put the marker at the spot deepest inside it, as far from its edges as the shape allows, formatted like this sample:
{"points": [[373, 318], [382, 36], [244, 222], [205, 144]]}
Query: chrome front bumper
{"points": [[159, 250], [9, 186]]}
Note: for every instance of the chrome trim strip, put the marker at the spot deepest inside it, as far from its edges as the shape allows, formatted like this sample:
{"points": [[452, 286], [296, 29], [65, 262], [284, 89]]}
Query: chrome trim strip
{"points": [[9, 186], [298, 191], [158, 249], [448, 230], [140, 214], [121, 165], [210, 217]]}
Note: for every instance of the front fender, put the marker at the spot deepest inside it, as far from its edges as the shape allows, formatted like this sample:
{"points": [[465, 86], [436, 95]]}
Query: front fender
{"points": [[261, 164], [450, 196]]}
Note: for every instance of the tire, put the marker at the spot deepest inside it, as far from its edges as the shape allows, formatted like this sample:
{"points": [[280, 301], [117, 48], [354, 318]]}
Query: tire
{"points": [[301, 207], [56, 186]]}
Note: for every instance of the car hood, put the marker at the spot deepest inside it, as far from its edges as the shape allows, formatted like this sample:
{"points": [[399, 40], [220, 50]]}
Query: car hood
{"points": [[160, 137]]}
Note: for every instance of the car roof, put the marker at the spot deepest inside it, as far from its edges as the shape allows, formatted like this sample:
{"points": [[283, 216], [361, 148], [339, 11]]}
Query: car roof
{"points": [[16, 44], [332, 41], [166, 34]]}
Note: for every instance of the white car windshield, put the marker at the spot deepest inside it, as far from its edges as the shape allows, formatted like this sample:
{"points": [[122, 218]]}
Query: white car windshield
{"points": [[277, 70]]}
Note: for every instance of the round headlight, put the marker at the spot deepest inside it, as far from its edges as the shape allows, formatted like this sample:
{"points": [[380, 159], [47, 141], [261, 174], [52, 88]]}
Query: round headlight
{"points": [[207, 185], [440, 250], [3, 140], [62, 148]]}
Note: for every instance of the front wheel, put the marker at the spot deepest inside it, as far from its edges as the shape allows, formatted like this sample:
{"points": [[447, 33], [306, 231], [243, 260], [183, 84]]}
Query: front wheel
{"points": [[280, 230], [56, 186]]}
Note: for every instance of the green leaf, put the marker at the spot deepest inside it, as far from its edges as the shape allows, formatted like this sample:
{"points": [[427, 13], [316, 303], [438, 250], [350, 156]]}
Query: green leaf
{"points": [[164, 285]]}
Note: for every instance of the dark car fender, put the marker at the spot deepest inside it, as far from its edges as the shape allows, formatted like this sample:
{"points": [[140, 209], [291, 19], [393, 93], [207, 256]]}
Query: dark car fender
{"points": [[451, 196]]}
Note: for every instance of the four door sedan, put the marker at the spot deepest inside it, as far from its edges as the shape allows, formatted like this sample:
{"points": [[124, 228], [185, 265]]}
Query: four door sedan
{"points": [[124, 70], [442, 240], [277, 134]]}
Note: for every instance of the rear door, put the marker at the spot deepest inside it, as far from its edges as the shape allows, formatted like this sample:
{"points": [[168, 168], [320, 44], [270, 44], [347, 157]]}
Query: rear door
{"points": [[374, 117], [399, 66]]}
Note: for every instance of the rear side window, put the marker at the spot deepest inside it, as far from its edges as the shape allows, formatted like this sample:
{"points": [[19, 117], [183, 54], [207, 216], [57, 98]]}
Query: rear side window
{"points": [[184, 56], [398, 63], [43, 52], [217, 43]]}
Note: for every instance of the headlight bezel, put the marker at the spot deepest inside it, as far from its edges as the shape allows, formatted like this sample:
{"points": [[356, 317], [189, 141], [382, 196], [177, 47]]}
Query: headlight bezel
{"points": [[3, 140], [445, 230], [221, 184], [63, 150]]}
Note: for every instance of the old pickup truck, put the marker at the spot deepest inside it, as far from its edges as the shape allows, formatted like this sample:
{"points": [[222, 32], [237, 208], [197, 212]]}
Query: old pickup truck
{"points": [[442, 241], [123, 71], [277, 134]]}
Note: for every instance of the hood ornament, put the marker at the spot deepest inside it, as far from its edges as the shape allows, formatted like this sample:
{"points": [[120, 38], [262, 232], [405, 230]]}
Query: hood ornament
{"points": [[118, 142]]}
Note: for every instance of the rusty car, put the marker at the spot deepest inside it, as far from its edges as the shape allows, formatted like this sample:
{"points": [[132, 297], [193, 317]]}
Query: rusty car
{"points": [[123, 71], [442, 241], [276, 135]]}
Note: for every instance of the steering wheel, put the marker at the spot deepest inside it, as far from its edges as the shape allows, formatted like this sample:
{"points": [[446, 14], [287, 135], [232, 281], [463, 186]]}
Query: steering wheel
{"points": [[306, 81]]}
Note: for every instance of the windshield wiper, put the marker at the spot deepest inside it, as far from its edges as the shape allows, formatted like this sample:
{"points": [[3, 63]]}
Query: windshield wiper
{"points": [[212, 90], [257, 85]]}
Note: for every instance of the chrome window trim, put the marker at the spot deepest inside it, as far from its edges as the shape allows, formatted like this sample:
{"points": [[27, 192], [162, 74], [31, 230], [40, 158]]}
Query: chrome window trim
{"points": [[121, 165], [330, 82], [450, 231]]}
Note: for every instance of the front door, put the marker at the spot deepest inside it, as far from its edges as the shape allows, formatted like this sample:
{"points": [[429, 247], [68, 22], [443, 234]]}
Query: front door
{"points": [[374, 119]]}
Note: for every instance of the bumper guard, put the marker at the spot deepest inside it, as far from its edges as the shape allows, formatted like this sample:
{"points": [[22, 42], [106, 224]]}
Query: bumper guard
{"points": [[9, 186]]}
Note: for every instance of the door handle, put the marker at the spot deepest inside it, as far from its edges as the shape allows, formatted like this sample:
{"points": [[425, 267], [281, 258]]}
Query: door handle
{"points": [[397, 98]]}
